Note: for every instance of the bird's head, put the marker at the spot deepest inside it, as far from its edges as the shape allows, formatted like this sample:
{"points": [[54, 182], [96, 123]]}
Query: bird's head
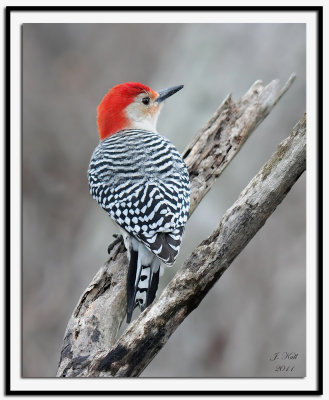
{"points": [[131, 105]]}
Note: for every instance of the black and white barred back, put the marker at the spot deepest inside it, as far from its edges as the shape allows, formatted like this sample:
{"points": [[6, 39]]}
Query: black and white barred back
{"points": [[141, 180]]}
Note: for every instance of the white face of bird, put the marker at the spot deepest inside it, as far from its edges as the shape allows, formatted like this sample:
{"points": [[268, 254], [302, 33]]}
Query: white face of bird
{"points": [[144, 111], [131, 105]]}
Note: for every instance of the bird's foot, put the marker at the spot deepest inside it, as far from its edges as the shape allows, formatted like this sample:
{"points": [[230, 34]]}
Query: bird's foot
{"points": [[118, 239]]}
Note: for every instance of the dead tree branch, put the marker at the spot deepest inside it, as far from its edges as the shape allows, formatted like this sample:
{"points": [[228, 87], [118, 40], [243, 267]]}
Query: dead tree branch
{"points": [[147, 335], [95, 322]]}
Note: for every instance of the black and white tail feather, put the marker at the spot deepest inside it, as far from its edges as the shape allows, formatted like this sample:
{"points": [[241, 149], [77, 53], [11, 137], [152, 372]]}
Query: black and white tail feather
{"points": [[142, 279], [145, 267]]}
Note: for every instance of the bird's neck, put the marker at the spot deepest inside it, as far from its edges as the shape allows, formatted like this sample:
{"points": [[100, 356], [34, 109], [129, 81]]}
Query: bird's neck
{"points": [[145, 125]]}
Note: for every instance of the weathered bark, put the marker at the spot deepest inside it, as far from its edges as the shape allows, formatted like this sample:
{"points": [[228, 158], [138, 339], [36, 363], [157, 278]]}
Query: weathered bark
{"points": [[95, 322], [223, 135]]}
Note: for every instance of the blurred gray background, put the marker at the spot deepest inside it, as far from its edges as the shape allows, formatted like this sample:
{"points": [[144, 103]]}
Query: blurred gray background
{"points": [[258, 306]]}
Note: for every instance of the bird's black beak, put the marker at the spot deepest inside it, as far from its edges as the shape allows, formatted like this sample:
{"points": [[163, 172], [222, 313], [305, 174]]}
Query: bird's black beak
{"points": [[165, 93]]}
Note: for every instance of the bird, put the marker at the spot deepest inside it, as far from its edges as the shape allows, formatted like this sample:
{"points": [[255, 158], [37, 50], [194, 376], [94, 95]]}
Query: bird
{"points": [[140, 179]]}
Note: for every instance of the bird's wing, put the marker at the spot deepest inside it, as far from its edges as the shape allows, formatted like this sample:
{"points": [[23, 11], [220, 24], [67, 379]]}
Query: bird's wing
{"points": [[145, 190], [153, 214]]}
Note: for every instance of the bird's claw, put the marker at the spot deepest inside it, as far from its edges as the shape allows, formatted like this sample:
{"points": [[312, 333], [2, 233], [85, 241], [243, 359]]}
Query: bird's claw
{"points": [[118, 239]]}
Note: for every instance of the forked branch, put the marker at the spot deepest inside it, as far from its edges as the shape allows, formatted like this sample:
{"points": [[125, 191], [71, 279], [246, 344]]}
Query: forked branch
{"points": [[89, 347]]}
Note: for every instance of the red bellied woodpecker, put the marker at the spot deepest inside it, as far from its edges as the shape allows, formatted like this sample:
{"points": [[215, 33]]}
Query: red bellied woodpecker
{"points": [[139, 178]]}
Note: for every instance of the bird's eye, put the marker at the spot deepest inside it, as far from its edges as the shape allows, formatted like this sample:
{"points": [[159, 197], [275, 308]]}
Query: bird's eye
{"points": [[146, 100]]}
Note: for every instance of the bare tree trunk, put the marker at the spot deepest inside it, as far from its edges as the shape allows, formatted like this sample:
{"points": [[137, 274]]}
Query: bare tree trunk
{"points": [[88, 348]]}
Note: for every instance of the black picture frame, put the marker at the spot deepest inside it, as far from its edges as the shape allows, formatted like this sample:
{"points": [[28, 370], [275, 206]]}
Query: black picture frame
{"points": [[9, 11]]}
